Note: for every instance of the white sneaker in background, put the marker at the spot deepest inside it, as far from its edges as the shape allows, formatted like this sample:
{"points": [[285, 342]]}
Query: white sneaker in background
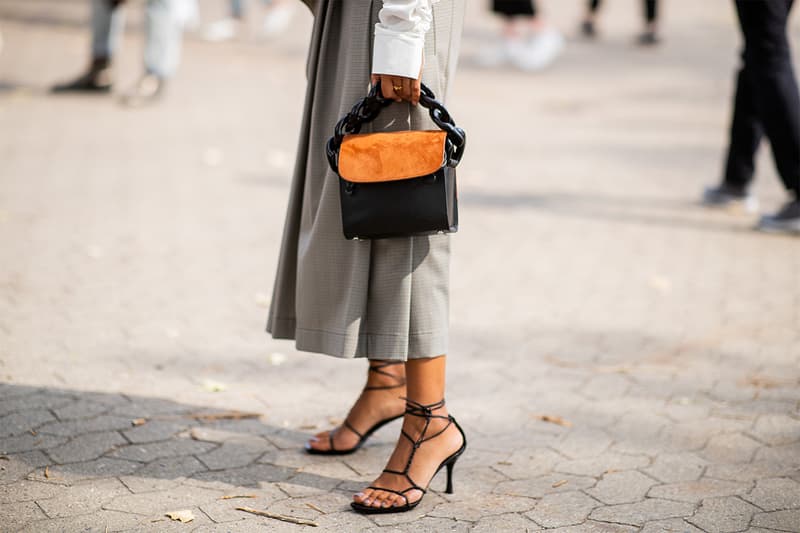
{"points": [[221, 30], [277, 19], [495, 53], [539, 51]]}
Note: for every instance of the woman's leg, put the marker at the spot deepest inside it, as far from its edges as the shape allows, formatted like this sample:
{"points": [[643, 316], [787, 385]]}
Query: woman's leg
{"points": [[426, 387], [381, 399]]}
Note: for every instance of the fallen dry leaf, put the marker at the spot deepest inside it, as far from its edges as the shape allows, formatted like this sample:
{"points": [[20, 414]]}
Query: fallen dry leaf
{"points": [[47, 472], [139, 422], [308, 426], [236, 496], [184, 516], [560, 483], [504, 463], [33, 432], [335, 421], [553, 419], [213, 386], [5, 458]]}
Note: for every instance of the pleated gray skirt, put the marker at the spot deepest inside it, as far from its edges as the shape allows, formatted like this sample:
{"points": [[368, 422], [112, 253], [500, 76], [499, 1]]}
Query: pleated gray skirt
{"points": [[381, 299]]}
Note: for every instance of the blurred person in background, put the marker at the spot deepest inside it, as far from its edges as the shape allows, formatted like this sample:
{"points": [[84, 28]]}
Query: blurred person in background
{"points": [[648, 37], [163, 30], [767, 103], [528, 41], [279, 15]]}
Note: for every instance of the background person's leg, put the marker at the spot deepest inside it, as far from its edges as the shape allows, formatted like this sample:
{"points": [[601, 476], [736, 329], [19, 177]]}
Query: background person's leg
{"points": [[768, 65], [107, 26], [745, 137], [163, 39]]}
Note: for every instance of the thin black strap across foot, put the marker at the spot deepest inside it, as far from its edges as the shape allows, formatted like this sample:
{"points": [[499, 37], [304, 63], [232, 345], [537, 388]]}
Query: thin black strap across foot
{"points": [[378, 368], [423, 411]]}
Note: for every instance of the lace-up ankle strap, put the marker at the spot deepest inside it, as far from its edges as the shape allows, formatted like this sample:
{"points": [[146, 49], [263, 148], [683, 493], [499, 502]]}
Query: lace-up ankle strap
{"points": [[378, 368], [426, 411]]}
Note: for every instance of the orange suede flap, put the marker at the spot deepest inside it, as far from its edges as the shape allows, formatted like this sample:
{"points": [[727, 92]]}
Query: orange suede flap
{"points": [[374, 157]]}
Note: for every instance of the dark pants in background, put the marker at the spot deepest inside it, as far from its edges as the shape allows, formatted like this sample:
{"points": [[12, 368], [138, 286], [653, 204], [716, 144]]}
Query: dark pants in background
{"points": [[513, 8], [650, 8], [767, 100]]}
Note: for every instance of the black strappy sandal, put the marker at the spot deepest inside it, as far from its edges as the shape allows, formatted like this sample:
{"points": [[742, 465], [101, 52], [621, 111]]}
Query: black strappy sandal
{"points": [[424, 411], [378, 369]]}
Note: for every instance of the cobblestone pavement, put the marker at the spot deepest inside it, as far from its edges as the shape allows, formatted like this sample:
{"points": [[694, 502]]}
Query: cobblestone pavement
{"points": [[622, 359]]}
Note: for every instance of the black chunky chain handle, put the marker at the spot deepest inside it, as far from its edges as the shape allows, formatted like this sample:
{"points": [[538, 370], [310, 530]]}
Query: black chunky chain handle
{"points": [[368, 109]]}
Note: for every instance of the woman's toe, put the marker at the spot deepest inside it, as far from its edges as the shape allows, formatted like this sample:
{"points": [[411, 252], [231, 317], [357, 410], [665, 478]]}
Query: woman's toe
{"points": [[363, 496]]}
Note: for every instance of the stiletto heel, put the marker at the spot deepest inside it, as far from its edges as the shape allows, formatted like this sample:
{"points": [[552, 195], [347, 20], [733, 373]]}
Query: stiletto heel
{"points": [[423, 411], [362, 437], [449, 489]]}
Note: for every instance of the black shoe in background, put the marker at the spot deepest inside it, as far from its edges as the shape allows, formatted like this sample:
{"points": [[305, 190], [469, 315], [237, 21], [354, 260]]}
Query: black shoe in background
{"points": [[97, 79]]}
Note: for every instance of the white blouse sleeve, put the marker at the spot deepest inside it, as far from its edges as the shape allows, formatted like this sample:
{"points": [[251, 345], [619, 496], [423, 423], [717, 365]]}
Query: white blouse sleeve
{"points": [[400, 37]]}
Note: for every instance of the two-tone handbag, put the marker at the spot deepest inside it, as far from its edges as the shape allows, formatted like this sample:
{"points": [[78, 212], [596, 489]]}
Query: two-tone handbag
{"points": [[399, 183]]}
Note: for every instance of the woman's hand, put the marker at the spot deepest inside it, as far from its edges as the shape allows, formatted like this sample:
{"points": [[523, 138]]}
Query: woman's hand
{"points": [[398, 88]]}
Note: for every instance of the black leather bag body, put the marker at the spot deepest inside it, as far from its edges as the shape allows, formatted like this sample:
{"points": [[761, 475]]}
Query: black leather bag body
{"points": [[394, 184]]}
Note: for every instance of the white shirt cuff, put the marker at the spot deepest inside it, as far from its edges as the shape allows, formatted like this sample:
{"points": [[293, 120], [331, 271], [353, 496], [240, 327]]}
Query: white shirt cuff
{"points": [[397, 54]]}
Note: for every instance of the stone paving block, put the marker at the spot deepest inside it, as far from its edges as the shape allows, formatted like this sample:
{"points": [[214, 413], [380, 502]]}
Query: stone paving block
{"points": [[470, 482], [779, 520], [72, 428], [233, 454], [137, 484], [303, 484], [693, 435], [605, 386], [148, 408], [730, 448], [721, 515], [39, 400], [154, 431], [477, 507], [637, 514], [674, 467], [172, 467], [597, 466], [23, 422], [424, 525], [294, 458], [99, 468], [787, 454], [695, 491], [87, 447], [746, 471], [82, 499], [28, 442], [17, 466], [777, 429], [248, 476], [27, 491], [146, 453], [246, 525], [82, 408], [590, 526], [225, 510], [673, 525], [505, 522], [528, 463], [349, 521], [537, 487], [14, 516], [98, 521], [775, 494], [564, 509], [580, 443], [621, 487], [159, 502]]}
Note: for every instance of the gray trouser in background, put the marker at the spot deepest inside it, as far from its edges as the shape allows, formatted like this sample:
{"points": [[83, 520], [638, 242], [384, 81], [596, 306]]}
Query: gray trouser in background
{"points": [[162, 29]]}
